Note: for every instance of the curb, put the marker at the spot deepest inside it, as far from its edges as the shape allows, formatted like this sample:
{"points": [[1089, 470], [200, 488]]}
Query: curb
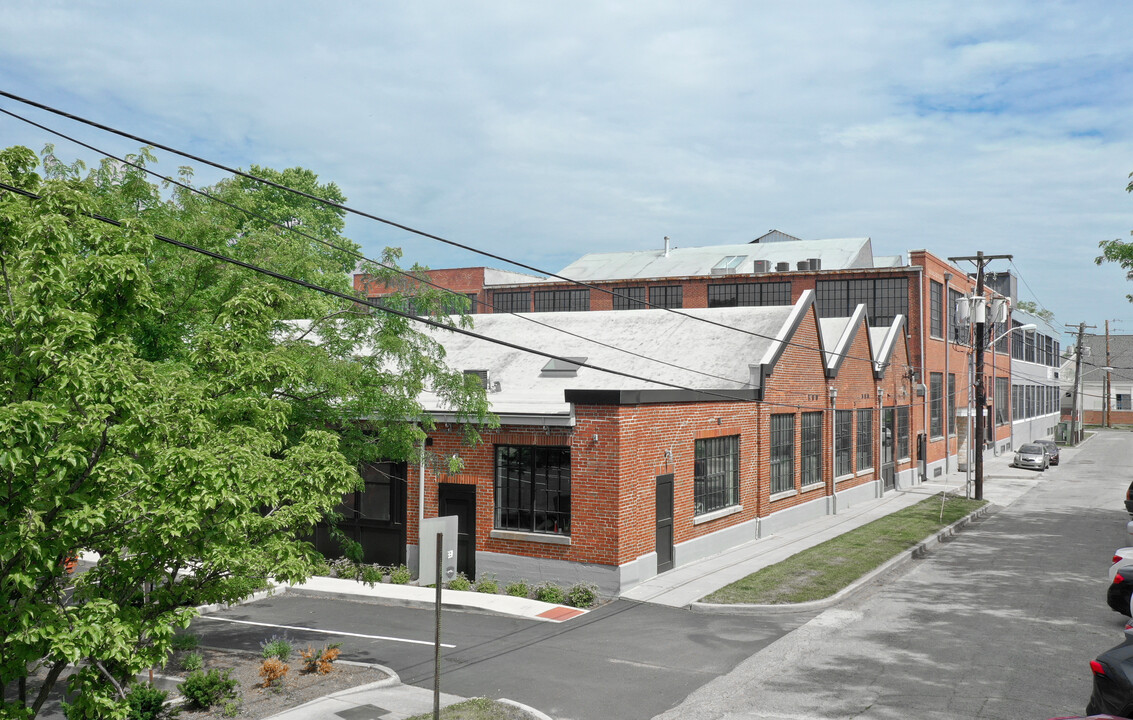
{"points": [[537, 714], [905, 556], [259, 595]]}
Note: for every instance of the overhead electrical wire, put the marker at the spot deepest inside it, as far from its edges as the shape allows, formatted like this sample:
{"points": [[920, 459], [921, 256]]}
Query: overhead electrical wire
{"points": [[395, 224], [348, 251], [415, 318]]}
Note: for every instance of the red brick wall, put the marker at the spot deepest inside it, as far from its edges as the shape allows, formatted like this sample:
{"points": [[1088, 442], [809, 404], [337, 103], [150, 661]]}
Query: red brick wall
{"points": [[461, 280]]}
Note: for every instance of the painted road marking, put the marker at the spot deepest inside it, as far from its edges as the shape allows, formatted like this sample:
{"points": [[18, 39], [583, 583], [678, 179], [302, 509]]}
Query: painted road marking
{"points": [[325, 632]]}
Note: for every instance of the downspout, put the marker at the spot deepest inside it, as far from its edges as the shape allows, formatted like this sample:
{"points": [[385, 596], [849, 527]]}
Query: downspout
{"points": [[879, 463], [420, 498], [833, 393], [922, 377], [947, 352]]}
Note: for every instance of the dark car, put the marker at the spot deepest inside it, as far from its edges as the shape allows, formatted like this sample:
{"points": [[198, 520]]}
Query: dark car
{"points": [[1120, 591], [1051, 450], [1129, 499], [1113, 681], [1031, 455]]}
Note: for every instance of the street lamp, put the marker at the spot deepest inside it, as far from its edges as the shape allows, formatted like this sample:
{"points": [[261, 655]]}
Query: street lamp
{"points": [[981, 395]]}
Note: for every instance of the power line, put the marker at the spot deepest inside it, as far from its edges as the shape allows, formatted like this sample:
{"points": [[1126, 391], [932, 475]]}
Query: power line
{"points": [[392, 223], [357, 255], [425, 321]]}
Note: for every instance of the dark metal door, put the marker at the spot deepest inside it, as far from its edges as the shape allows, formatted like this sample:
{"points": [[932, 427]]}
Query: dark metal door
{"points": [[888, 433], [460, 500], [664, 504], [374, 517]]}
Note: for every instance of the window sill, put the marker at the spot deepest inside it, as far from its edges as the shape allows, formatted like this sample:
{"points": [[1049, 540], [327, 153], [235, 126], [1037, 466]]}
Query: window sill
{"points": [[844, 478], [717, 514], [530, 537], [813, 486], [867, 471], [904, 459], [784, 495]]}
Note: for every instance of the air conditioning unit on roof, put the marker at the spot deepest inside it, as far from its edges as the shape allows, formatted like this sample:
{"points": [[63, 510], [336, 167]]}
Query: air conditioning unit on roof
{"points": [[762, 266], [782, 267]]}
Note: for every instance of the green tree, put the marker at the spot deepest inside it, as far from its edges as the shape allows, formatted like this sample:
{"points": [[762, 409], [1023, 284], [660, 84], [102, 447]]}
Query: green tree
{"points": [[185, 419], [1119, 251], [1032, 307]]}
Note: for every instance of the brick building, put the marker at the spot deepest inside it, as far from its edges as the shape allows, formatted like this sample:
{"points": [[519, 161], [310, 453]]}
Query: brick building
{"points": [[722, 437]]}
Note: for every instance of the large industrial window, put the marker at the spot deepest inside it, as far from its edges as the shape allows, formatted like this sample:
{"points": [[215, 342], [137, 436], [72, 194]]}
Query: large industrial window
{"points": [[629, 298], [951, 403], [810, 457], [1123, 402], [782, 453], [936, 404], [865, 438], [509, 302], [533, 489], [716, 474], [666, 296], [562, 300], [1001, 401], [884, 298], [935, 309], [902, 432], [956, 331], [843, 442], [749, 294]]}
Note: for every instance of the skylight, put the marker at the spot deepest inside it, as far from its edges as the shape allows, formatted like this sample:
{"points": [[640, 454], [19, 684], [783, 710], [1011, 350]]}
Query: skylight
{"points": [[729, 262]]}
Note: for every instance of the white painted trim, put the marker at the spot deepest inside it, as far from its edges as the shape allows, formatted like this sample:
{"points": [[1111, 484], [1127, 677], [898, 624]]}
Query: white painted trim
{"points": [[529, 537], [717, 514]]}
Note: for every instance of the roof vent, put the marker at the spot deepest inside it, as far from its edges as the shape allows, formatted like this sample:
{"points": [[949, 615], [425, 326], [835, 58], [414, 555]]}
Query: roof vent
{"points": [[562, 367], [782, 267], [482, 374]]}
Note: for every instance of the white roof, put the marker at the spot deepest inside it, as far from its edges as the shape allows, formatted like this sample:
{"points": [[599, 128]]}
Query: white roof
{"points": [[836, 254], [700, 355], [492, 276]]}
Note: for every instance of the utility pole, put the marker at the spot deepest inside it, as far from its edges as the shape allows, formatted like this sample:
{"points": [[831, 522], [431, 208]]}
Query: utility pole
{"points": [[980, 312], [1107, 372], [1075, 414]]}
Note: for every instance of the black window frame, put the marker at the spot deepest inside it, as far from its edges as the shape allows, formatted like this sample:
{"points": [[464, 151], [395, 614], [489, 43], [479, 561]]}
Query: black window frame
{"points": [[716, 474], [935, 309], [936, 405], [902, 421], [810, 449], [951, 403], [666, 296], [629, 298], [781, 460], [561, 300], [884, 298], [843, 443], [864, 437], [511, 302], [523, 468]]}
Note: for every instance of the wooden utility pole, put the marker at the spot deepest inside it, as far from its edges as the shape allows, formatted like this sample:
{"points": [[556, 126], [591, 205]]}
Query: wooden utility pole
{"points": [[980, 313], [1107, 372], [1076, 411]]}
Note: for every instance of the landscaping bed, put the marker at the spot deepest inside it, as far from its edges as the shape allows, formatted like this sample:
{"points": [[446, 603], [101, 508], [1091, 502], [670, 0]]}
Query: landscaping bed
{"points": [[252, 701]]}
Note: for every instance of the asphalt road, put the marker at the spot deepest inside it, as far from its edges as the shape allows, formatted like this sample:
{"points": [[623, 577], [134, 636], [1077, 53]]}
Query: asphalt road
{"points": [[624, 660], [999, 623]]}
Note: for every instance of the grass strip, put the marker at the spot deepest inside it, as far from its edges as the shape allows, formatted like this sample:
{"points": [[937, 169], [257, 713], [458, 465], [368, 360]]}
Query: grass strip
{"points": [[824, 569], [478, 709]]}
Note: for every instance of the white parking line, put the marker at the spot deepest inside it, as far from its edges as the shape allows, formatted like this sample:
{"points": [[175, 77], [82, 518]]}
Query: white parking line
{"points": [[325, 632]]}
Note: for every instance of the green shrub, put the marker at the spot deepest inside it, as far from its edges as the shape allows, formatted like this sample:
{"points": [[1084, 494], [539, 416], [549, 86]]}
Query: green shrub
{"points": [[487, 584], [203, 690], [517, 589], [371, 574], [192, 661], [582, 595], [231, 708], [460, 582], [549, 592], [186, 641], [146, 702], [277, 646], [400, 575]]}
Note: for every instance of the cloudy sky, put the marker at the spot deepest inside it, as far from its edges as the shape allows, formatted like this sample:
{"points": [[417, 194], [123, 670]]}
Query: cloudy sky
{"points": [[542, 131]]}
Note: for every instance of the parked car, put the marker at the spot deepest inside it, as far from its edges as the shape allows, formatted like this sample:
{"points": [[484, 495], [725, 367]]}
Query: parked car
{"points": [[1051, 448], [1129, 499], [1122, 558], [1113, 680], [1120, 591], [1031, 455]]}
